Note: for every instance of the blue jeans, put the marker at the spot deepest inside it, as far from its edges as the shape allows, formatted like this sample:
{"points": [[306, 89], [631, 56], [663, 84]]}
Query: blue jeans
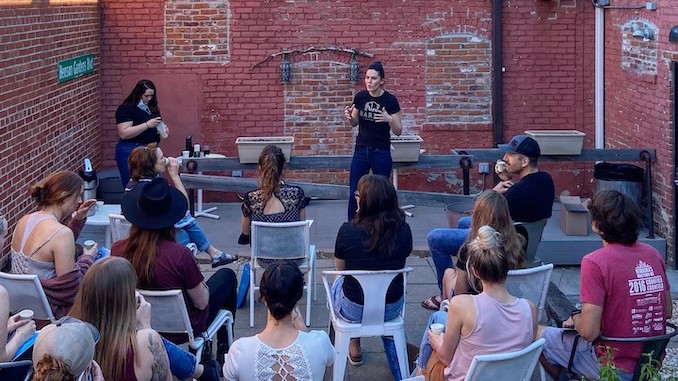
{"points": [[182, 363], [122, 150], [444, 243], [192, 232], [366, 158], [353, 313], [425, 349]]}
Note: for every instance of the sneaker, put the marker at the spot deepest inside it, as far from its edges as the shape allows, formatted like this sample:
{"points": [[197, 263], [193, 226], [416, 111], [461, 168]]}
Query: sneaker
{"points": [[223, 259]]}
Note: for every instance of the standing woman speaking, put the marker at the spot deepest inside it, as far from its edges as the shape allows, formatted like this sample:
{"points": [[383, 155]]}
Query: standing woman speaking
{"points": [[138, 123], [376, 112]]}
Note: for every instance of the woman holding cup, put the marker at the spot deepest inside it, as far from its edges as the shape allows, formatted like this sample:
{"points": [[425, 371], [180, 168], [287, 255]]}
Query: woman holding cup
{"points": [[493, 321], [138, 123]]}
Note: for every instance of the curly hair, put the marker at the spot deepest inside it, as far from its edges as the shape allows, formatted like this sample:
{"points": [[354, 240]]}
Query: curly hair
{"points": [[51, 369], [55, 188], [615, 216]]}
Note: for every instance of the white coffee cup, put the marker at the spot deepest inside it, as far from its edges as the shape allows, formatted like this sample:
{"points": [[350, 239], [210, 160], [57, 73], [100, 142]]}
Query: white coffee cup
{"points": [[26, 314], [437, 328], [88, 244], [185, 154], [500, 166], [100, 204], [162, 130]]}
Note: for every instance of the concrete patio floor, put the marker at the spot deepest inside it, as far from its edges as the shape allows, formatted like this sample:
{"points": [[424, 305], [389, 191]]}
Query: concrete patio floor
{"points": [[328, 216]]}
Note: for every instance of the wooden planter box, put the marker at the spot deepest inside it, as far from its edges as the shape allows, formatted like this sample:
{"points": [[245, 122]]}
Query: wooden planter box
{"points": [[406, 148], [558, 142], [249, 148]]}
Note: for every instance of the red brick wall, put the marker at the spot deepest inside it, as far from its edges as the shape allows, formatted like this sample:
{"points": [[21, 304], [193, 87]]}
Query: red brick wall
{"points": [[45, 126], [638, 103], [546, 51]]}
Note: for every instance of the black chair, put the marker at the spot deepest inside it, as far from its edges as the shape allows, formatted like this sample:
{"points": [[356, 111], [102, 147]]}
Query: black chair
{"points": [[16, 370], [532, 231], [652, 345]]}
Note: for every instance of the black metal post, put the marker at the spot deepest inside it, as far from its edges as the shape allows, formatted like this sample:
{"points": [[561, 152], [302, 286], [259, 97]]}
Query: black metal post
{"points": [[647, 158], [465, 164]]}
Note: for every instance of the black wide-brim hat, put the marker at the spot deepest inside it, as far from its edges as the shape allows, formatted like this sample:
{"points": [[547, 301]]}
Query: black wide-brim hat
{"points": [[154, 205]]}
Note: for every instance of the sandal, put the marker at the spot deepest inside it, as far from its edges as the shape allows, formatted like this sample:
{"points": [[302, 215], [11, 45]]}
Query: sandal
{"points": [[223, 259], [432, 303]]}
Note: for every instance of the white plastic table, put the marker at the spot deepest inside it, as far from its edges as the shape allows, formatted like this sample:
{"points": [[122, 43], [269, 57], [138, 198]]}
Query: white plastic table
{"points": [[200, 212], [100, 218]]}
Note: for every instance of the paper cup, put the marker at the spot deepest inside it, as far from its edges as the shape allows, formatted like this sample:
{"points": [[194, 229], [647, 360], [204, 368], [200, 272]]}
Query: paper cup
{"points": [[500, 166], [88, 244], [437, 328], [26, 314], [100, 204], [162, 130], [185, 154]]}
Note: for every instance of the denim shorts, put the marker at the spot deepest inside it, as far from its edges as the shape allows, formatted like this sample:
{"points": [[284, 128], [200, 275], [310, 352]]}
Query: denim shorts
{"points": [[182, 362]]}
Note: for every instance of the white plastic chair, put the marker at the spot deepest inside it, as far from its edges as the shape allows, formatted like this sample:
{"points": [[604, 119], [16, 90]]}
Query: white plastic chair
{"points": [[25, 292], [374, 285], [120, 229], [520, 364], [415, 378], [283, 240], [169, 315], [532, 284], [16, 370]]}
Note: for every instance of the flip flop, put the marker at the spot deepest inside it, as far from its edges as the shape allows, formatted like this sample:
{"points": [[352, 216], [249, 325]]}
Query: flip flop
{"points": [[355, 361], [431, 303]]}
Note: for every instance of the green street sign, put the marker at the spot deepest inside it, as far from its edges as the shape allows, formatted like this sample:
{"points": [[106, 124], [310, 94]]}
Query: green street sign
{"points": [[75, 67]]}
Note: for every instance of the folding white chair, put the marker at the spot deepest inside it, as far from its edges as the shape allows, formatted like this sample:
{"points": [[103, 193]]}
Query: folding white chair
{"points": [[169, 315], [25, 292], [374, 285], [532, 284], [520, 364], [120, 228], [283, 240], [16, 370]]}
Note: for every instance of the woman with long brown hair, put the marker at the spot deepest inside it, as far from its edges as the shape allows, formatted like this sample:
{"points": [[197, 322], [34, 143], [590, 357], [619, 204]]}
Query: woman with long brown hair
{"points": [[163, 264], [378, 238], [274, 200], [44, 245]]}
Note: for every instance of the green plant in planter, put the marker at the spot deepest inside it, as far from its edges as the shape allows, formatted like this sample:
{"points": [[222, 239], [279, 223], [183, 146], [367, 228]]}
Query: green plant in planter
{"points": [[649, 371], [608, 372]]}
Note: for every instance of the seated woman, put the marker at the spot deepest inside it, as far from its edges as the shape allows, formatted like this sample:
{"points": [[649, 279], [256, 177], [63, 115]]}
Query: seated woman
{"points": [[163, 264], [378, 238], [55, 357], [44, 246], [274, 200], [283, 350], [493, 321], [129, 349], [147, 163]]}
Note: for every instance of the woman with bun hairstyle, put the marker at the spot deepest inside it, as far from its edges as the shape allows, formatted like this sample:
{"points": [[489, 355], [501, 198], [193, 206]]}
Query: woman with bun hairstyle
{"points": [[274, 200], [137, 118], [44, 241], [149, 162], [493, 321], [377, 114], [284, 347]]}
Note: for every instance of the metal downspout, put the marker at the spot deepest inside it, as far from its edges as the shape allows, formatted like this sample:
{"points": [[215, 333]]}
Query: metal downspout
{"points": [[600, 77], [497, 74]]}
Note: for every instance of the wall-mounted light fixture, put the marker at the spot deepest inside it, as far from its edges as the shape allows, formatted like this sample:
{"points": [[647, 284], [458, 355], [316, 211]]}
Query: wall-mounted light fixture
{"points": [[353, 69], [285, 69], [673, 34], [642, 33]]}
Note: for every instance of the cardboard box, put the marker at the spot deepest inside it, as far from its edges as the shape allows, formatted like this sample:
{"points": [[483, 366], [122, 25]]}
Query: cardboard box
{"points": [[574, 216]]}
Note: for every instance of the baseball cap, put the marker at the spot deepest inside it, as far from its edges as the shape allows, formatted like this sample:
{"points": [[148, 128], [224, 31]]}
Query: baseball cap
{"points": [[68, 340], [523, 145]]}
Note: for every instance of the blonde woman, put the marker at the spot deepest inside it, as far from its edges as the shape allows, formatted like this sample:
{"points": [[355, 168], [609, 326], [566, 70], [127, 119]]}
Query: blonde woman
{"points": [[493, 321]]}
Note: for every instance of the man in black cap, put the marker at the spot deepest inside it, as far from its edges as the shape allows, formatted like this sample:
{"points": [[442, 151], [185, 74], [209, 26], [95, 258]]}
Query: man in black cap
{"points": [[528, 190]]}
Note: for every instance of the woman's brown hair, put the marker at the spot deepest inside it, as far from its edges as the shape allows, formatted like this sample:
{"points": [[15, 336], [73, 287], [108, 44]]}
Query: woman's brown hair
{"points": [[141, 249], [487, 256], [271, 165], [55, 188], [106, 299], [491, 208], [142, 161]]}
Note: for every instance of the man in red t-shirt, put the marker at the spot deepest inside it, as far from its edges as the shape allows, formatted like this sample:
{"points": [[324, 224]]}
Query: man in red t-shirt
{"points": [[624, 293]]}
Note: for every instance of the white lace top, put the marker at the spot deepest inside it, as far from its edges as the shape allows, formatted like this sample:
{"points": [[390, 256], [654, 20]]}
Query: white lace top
{"points": [[249, 359]]}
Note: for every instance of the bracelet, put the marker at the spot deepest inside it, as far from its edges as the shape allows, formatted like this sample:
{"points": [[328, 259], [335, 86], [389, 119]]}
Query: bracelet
{"points": [[575, 312], [147, 125]]}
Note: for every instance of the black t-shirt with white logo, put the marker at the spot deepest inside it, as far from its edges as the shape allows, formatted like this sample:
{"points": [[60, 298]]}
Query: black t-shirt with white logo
{"points": [[371, 133]]}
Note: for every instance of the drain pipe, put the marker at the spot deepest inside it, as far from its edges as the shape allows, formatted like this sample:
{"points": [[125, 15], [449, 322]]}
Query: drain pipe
{"points": [[600, 77], [497, 75]]}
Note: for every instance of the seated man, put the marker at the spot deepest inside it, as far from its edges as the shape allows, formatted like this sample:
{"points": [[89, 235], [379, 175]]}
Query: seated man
{"points": [[530, 199], [624, 293]]}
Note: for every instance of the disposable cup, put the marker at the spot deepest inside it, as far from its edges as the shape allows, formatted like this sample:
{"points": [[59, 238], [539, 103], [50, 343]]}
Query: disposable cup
{"points": [[162, 130], [100, 204], [500, 166], [26, 314], [185, 154], [88, 244], [437, 328]]}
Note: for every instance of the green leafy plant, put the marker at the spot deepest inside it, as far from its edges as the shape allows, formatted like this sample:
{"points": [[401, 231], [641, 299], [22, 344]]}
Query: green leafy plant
{"points": [[649, 371], [608, 372]]}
